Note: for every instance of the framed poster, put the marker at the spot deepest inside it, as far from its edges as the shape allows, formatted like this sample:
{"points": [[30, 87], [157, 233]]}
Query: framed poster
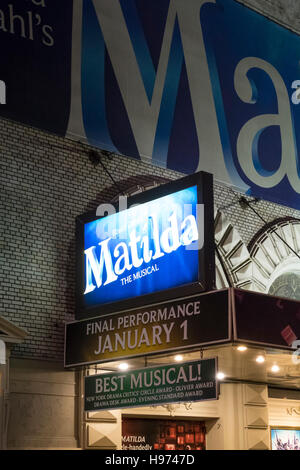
{"points": [[162, 434], [285, 438]]}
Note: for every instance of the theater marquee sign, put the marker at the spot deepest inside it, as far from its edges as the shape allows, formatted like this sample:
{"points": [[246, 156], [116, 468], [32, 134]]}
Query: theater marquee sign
{"points": [[190, 322], [218, 317]]}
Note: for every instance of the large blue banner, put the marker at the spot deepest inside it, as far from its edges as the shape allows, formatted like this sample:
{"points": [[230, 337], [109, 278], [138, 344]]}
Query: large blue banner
{"points": [[200, 85], [197, 85], [35, 65], [254, 67]]}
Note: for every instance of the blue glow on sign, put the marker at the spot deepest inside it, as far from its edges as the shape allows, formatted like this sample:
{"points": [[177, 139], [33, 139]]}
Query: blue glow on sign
{"points": [[144, 249]]}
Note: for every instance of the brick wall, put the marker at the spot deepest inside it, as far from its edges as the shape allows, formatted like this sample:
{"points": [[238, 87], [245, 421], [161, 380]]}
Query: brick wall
{"points": [[285, 12], [46, 181], [244, 220]]}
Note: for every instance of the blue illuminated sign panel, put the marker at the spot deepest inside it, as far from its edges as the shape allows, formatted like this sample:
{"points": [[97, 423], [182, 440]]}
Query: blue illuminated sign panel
{"points": [[152, 246]]}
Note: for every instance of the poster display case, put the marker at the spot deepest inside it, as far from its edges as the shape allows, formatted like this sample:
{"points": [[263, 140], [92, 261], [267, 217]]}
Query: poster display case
{"points": [[162, 434], [285, 438]]}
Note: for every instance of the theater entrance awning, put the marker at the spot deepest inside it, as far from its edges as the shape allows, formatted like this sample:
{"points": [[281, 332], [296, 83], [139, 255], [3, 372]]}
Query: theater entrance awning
{"points": [[229, 316]]}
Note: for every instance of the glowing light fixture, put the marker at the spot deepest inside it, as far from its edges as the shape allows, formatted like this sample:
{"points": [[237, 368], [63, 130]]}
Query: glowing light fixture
{"points": [[178, 358], [220, 376], [260, 359], [123, 366]]}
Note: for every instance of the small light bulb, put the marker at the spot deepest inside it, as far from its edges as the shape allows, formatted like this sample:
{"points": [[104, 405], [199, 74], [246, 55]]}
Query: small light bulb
{"points": [[123, 366], [178, 358], [275, 368], [220, 376], [260, 359], [242, 348]]}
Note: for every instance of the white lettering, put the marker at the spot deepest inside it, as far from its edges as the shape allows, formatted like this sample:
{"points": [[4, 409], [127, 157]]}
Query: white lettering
{"points": [[169, 239], [95, 267], [116, 263], [143, 113], [247, 143], [2, 92], [122, 258]]}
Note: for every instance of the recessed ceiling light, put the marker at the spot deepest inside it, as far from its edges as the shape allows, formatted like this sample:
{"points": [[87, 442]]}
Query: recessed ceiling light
{"points": [[178, 358], [275, 368], [260, 359], [123, 366], [242, 348], [220, 376]]}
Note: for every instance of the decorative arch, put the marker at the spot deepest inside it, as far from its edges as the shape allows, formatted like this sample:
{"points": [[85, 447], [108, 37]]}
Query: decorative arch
{"points": [[275, 253]]}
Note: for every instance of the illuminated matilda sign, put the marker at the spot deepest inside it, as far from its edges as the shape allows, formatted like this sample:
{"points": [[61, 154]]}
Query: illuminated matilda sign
{"points": [[114, 260], [157, 244]]}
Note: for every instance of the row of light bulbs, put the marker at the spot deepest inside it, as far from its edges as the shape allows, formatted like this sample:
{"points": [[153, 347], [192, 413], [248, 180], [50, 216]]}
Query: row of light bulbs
{"points": [[260, 359], [220, 375]]}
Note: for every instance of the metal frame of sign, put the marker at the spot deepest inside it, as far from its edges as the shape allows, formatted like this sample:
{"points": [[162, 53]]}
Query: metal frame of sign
{"points": [[206, 257], [179, 348], [117, 406]]}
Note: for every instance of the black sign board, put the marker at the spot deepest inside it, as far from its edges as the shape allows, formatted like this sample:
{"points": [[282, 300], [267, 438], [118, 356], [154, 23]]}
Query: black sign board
{"points": [[184, 323], [265, 320]]}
